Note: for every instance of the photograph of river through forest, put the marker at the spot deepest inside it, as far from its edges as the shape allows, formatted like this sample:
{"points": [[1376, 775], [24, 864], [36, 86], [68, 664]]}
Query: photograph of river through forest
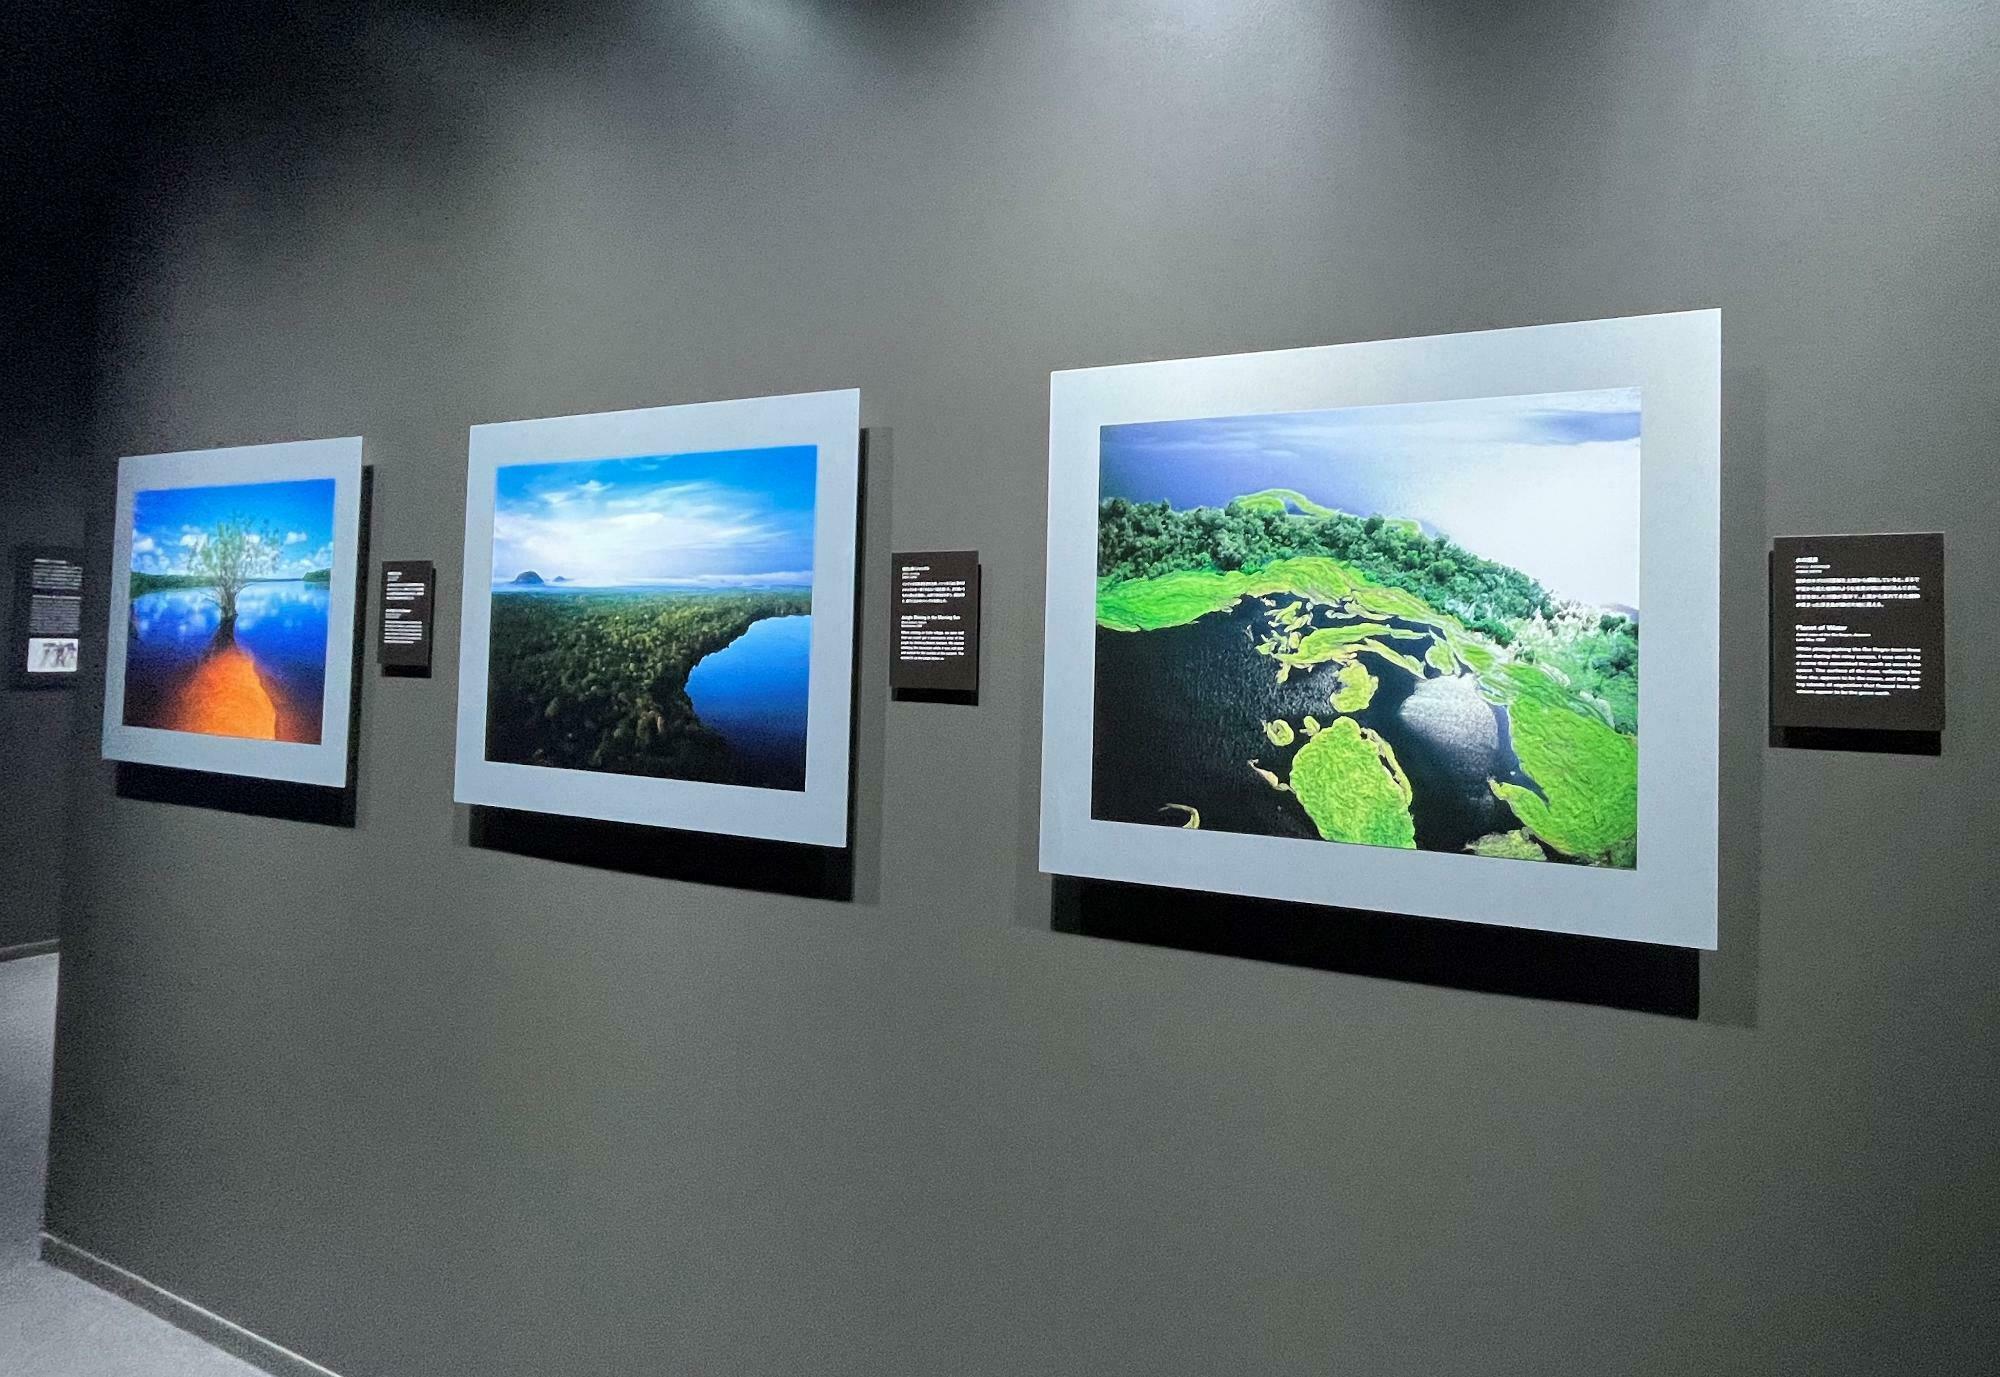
{"points": [[653, 616], [1408, 626], [227, 634]]}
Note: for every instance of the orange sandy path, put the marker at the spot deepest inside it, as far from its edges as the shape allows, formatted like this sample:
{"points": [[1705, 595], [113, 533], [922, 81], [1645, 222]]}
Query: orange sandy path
{"points": [[226, 697]]}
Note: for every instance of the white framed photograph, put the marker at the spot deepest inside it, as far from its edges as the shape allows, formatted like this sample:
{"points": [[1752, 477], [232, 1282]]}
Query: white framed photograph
{"points": [[231, 644], [1425, 626], [659, 616]]}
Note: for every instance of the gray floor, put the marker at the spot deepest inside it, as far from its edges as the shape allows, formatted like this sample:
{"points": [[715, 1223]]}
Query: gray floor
{"points": [[51, 1324]]}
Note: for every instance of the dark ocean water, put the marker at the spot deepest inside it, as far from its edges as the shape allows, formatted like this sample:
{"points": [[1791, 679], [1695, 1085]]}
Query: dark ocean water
{"points": [[1180, 713]]}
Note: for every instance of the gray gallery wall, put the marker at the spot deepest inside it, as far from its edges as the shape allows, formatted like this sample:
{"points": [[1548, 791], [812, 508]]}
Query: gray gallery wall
{"points": [[38, 758], [409, 1105], [52, 136]]}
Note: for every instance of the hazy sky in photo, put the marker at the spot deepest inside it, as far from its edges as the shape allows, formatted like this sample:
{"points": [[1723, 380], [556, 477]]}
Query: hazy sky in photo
{"points": [[168, 524], [719, 519], [1548, 484]]}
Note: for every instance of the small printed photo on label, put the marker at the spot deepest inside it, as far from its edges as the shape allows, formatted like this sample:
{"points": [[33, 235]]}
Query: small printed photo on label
{"points": [[52, 655]]}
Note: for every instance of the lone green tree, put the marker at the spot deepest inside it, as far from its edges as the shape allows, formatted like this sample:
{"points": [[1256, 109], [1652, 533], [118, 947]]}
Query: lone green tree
{"points": [[230, 556]]}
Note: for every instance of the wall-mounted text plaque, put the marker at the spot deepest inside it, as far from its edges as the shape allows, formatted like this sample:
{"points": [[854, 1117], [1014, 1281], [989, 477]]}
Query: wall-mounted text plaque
{"points": [[934, 616], [1857, 632], [409, 589], [48, 616]]}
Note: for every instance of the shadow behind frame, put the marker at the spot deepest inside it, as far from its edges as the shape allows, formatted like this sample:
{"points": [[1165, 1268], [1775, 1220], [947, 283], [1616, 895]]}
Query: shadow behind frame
{"points": [[1642, 977], [283, 799]]}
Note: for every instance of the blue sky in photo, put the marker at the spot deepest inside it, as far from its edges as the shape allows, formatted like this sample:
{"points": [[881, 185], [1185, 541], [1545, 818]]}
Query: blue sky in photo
{"points": [[169, 523], [1548, 484], [726, 518]]}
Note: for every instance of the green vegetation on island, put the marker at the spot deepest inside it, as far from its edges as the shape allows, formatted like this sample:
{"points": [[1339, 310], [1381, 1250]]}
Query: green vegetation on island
{"points": [[1512, 846], [1335, 642], [1410, 664], [1281, 501], [1270, 777], [1143, 540], [1149, 604], [1587, 769], [1354, 687], [1335, 588], [1350, 785], [1284, 501], [1595, 655], [598, 680]]}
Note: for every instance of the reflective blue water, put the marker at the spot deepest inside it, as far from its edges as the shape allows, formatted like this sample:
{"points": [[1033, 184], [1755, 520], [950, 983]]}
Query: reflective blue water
{"points": [[753, 693], [281, 625]]}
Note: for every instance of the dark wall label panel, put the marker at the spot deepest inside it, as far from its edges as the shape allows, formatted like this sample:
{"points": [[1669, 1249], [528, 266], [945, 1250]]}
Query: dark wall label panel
{"points": [[47, 638], [1857, 632], [934, 616], [408, 596]]}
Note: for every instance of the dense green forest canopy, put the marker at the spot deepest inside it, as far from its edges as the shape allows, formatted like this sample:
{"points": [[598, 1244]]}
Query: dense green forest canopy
{"points": [[1597, 652], [598, 681], [1139, 540]]}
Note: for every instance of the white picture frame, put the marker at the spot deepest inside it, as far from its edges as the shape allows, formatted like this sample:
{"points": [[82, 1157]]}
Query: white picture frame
{"points": [[324, 762], [1669, 895], [816, 814]]}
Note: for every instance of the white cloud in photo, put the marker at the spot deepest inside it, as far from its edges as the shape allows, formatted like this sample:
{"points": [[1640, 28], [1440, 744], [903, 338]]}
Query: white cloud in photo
{"points": [[666, 533], [709, 519], [782, 578]]}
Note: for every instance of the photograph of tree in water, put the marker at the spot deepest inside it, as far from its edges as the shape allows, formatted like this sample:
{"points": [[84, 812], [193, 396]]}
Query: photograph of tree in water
{"points": [[232, 633], [1362, 626], [226, 632], [1301, 610], [658, 616]]}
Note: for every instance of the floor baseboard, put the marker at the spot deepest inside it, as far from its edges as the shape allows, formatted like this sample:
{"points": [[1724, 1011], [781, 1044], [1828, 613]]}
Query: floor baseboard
{"points": [[21, 949], [227, 1335]]}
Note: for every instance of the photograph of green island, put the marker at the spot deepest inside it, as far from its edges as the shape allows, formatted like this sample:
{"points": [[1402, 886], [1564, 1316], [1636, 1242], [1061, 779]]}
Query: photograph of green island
{"points": [[1409, 626], [653, 616]]}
